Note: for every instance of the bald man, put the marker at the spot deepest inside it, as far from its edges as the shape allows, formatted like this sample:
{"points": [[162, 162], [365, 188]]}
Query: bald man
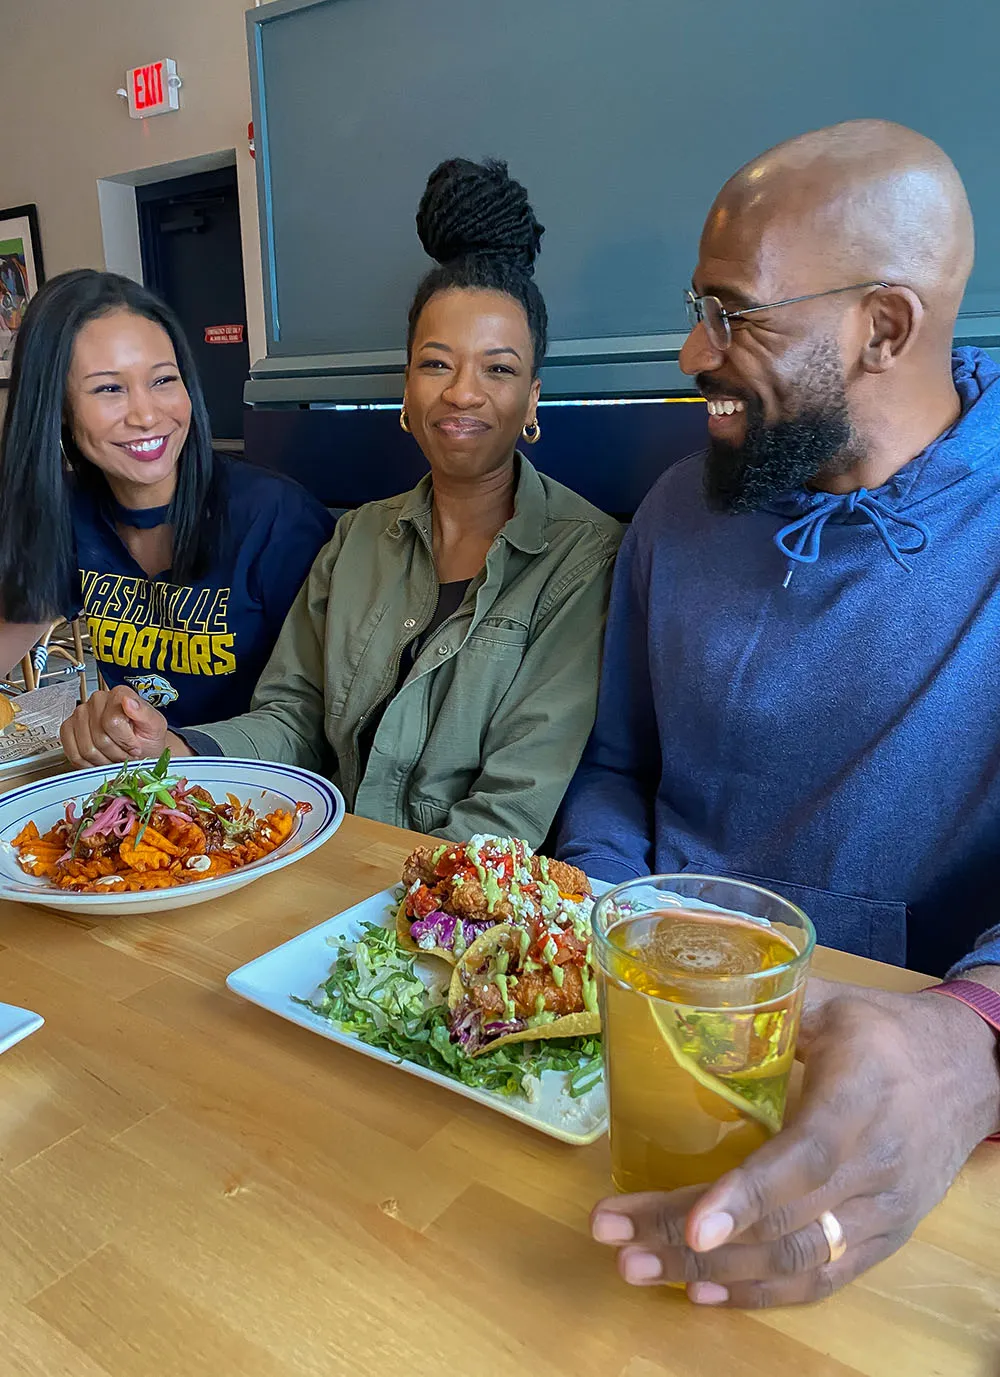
{"points": [[801, 686]]}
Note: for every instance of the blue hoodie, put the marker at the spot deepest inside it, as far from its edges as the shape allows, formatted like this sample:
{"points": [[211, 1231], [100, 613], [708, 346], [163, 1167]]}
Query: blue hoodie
{"points": [[833, 735]]}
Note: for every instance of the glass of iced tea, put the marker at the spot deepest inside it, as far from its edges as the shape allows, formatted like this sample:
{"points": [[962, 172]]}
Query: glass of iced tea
{"points": [[701, 992]]}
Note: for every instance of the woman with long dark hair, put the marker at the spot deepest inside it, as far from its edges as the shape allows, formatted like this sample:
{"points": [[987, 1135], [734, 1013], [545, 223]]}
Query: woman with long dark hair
{"points": [[441, 660], [115, 506]]}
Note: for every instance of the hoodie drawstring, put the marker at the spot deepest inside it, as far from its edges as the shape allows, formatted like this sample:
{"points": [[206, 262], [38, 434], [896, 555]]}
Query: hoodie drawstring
{"points": [[808, 529]]}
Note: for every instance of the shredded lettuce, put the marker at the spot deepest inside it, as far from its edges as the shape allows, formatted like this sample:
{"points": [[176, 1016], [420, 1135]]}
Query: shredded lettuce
{"points": [[373, 991]]}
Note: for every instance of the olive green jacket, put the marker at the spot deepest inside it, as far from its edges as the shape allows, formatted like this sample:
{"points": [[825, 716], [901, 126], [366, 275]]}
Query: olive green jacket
{"points": [[487, 729]]}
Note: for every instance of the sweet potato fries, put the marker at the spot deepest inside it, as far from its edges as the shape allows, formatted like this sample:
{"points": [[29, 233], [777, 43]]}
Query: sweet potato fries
{"points": [[145, 830]]}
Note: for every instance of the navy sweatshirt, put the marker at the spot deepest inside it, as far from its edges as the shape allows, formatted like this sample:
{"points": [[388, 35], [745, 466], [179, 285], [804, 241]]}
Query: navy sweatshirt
{"points": [[809, 696], [196, 651]]}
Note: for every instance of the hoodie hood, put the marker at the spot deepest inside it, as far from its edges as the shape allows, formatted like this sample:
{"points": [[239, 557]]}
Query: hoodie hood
{"points": [[966, 446]]}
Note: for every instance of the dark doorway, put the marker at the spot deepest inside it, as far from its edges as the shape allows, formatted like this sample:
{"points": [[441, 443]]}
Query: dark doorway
{"points": [[192, 256]]}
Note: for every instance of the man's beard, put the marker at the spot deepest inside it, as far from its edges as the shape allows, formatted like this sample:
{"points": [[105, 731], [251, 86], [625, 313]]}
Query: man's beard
{"points": [[784, 456]]}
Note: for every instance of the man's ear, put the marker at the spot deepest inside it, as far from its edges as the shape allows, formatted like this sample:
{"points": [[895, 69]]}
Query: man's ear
{"points": [[894, 316]]}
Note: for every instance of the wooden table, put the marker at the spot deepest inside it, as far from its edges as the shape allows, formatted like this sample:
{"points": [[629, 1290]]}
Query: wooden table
{"points": [[190, 1186]]}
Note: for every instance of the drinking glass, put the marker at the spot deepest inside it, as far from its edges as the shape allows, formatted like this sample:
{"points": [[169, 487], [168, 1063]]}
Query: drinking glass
{"points": [[701, 991]]}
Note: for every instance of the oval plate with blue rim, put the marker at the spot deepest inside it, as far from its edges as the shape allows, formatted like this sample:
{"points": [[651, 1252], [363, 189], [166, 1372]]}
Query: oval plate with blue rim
{"points": [[263, 785]]}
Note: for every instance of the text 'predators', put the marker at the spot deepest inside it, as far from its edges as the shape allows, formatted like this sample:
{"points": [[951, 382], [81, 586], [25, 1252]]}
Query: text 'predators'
{"points": [[141, 624]]}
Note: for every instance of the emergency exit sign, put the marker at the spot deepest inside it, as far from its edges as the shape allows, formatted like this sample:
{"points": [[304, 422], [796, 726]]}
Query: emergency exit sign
{"points": [[153, 89]]}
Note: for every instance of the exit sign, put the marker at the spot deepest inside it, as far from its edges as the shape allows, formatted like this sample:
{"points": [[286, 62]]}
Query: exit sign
{"points": [[153, 89]]}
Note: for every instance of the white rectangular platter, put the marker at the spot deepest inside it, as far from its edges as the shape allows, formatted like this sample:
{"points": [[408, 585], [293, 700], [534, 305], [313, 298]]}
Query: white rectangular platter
{"points": [[300, 966]]}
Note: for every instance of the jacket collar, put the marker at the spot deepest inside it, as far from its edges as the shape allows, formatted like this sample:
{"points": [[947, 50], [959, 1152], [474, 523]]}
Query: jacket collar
{"points": [[525, 530]]}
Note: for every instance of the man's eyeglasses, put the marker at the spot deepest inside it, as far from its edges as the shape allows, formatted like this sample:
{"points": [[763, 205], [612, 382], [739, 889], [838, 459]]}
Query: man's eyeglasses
{"points": [[710, 312]]}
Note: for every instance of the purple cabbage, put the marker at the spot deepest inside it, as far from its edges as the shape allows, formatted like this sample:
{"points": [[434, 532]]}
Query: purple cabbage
{"points": [[473, 929], [467, 1027], [440, 929], [499, 1030], [436, 930], [469, 1031]]}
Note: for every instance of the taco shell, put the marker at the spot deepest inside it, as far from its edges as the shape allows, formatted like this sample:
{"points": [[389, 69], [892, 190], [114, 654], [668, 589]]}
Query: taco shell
{"points": [[407, 942], [487, 944]]}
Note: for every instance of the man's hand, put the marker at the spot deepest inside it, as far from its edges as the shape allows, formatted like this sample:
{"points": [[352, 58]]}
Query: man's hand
{"points": [[898, 1090], [117, 726]]}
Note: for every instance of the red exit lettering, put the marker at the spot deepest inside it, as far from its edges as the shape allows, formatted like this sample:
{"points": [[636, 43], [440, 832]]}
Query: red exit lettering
{"points": [[147, 86]]}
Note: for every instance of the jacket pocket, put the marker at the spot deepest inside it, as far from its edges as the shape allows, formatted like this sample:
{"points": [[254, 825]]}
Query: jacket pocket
{"points": [[875, 928], [498, 636], [428, 814]]}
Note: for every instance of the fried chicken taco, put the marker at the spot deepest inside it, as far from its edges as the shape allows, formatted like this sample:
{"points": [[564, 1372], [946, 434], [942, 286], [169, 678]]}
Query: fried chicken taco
{"points": [[456, 891], [515, 985]]}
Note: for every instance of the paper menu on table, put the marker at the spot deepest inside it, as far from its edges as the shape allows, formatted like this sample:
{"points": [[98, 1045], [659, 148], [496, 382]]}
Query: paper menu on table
{"points": [[38, 715]]}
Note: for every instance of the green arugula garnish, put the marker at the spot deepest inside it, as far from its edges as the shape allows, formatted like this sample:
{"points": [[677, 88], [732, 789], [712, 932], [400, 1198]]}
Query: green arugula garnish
{"points": [[374, 991], [144, 788]]}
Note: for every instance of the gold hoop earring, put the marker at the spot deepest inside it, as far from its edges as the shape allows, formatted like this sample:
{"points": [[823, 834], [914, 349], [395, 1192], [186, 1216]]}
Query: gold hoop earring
{"points": [[532, 432], [404, 421]]}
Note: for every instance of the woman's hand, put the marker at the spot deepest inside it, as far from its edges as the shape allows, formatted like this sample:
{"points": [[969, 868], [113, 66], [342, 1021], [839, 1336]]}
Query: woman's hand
{"points": [[115, 726], [898, 1090]]}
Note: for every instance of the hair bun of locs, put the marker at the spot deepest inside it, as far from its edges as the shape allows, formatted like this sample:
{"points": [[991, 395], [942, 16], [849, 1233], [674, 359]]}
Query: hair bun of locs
{"points": [[477, 222], [477, 208]]}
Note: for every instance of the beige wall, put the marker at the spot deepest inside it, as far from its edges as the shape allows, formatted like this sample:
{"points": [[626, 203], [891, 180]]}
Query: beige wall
{"points": [[61, 62]]}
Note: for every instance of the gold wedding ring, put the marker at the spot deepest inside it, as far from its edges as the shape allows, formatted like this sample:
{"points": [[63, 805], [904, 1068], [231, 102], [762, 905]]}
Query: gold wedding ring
{"points": [[834, 1235]]}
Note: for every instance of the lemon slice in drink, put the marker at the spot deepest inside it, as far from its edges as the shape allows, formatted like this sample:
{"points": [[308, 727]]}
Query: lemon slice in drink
{"points": [[664, 1021]]}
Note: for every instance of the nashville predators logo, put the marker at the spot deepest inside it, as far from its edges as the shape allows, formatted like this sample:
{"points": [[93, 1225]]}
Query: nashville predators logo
{"points": [[156, 690]]}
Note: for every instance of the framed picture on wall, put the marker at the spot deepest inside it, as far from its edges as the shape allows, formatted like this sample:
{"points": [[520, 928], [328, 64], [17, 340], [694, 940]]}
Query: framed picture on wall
{"points": [[21, 273]]}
